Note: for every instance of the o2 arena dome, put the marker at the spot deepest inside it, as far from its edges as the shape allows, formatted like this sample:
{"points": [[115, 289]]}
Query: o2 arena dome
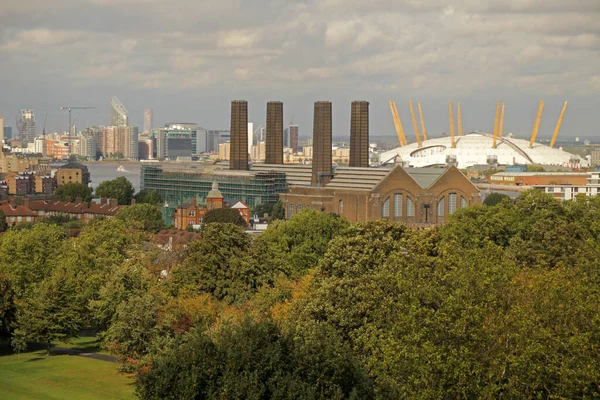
{"points": [[477, 149]]}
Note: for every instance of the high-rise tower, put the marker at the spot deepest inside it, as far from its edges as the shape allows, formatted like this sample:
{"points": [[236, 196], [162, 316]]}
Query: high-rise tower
{"points": [[238, 154], [1, 130], [148, 120], [322, 132], [118, 113], [274, 140], [359, 134], [27, 130]]}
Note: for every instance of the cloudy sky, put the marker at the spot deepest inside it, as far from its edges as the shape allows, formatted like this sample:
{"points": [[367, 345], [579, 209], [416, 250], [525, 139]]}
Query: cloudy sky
{"points": [[187, 59]]}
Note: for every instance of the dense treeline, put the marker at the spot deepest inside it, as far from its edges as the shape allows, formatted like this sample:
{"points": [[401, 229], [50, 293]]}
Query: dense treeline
{"points": [[501, 302]]}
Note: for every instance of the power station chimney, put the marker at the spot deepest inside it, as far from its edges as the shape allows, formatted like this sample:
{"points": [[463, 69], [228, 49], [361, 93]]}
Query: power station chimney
{"points": [[238, 157], [274, 140], [359, 134], [321, 162]]}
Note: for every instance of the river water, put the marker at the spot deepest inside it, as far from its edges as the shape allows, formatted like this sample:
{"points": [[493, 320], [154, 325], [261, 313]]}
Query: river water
{"points": [[105, 172]]}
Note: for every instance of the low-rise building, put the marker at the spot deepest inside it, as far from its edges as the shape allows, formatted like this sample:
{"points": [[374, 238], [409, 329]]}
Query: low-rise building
{"points": [[73, 172], [538, 178], [569, 192]]}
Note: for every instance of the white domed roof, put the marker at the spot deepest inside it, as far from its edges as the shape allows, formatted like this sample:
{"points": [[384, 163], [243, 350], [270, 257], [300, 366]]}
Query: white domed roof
{"points": [[476, 149]]}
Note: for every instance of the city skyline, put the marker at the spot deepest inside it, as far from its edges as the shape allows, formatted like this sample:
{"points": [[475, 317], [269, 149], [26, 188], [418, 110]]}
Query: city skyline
{"points": [[190, 66]]}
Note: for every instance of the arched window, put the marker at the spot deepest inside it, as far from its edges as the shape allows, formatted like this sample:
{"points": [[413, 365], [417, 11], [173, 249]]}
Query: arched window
{"points": [[451, 203], [397, 205], [463, 202], [341, 207], [440, 207], [410, 207], [385, 209]]}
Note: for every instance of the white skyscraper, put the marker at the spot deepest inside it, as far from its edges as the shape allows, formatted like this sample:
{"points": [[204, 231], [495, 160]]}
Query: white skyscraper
{"points": [[148, 120], [118, 113], [250, 135]]}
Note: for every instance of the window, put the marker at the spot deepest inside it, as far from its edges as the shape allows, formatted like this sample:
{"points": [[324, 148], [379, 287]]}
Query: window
{"points": [[451, 203], [440, 207], [397, 205], [341, 207], [410, 208], [192, 213], [299, 208], [290, 210], [385, 209], [463, 202]]}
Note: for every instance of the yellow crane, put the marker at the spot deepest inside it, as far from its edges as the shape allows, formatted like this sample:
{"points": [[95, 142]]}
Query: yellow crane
{"points": [[536, 125], [501, 122], [422, 122], [414, 121], [460, 132], [496, 124], [558, 124], [397, 124], [451, 124]]}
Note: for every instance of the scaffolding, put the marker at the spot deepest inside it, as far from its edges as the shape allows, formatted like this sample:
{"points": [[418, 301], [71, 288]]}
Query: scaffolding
{"points": [[178, 185]]}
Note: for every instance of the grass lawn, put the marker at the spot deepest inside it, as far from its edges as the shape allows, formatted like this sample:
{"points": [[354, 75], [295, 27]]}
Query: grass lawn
{"points": [[33, 375]]}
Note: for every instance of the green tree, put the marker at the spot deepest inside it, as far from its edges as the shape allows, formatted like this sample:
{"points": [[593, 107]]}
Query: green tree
{"points": [[119, 188], [148, 197], [74, 190], [278, 211], [146, 216], [52, 313], [495, 198], [3, 223], [8, 308], [29, 256], [218, 264], [224, 216], [296, 245]]}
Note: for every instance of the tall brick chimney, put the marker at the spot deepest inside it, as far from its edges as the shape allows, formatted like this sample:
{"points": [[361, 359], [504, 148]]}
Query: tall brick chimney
{"points": [[322, 132], [238, 157], [274, 140], [359, 134]]}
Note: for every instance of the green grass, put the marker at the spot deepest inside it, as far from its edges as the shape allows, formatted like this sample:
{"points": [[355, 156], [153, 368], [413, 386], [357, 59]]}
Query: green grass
{"points": [[33, 375]]}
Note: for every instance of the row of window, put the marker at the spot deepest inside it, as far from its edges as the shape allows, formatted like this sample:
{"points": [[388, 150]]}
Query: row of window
{"points": [[410, 205], [298, 209]]}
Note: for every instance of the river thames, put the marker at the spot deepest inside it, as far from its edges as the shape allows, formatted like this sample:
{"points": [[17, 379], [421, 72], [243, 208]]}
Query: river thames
{"points": [[105, 172]]}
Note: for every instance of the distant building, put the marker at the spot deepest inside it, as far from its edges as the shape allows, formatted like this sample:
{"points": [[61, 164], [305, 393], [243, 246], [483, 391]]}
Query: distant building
{"points": [[73, 172], [240, 135], [13, 162], [1, 130], [27, 129], [595, 158], [192, 214], [538, 178], [87, 146], [180, 141], [224, 151], [216, 137], [148, 120], [118, 113], [145, 148], [294, 131], [591, 187], [7, 133], [119, 141], [40, 144]]}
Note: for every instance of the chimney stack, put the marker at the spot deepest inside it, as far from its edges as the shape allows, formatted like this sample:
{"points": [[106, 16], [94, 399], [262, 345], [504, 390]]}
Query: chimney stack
{"points": [[359, 134], [321, 162], [274, 140], [238, 157]]}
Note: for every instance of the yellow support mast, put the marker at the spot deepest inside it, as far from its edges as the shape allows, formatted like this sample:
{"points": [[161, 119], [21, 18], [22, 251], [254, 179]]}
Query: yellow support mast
{"points": [[501, 122], [422, 122], [536, 125], [397, 124], [414, 121], [460, 132], [496, 124], [558, 124], [451, 124]]}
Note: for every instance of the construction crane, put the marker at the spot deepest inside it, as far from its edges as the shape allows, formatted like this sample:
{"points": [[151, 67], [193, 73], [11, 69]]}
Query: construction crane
{"points": [[422, 122], [45, 120], [558, 124], [501, 126], [496, 124], [460, 132], [74, 108], [414, 121], [536, 125], [397, 123], [451, 124]]}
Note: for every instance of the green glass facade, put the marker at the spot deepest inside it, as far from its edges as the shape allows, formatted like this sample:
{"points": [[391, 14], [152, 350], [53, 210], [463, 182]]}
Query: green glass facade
{"points": [[177, 186]]}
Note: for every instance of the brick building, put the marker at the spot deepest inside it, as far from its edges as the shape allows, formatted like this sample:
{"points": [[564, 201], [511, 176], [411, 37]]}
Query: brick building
{"points": [[538, 178], [73, 172]]}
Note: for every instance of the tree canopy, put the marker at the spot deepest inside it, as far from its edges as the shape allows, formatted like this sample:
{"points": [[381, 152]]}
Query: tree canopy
{"points": [[224, 216], [74, 190], [119, 188], [495, 198], [148, 197], [146, 216]]}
